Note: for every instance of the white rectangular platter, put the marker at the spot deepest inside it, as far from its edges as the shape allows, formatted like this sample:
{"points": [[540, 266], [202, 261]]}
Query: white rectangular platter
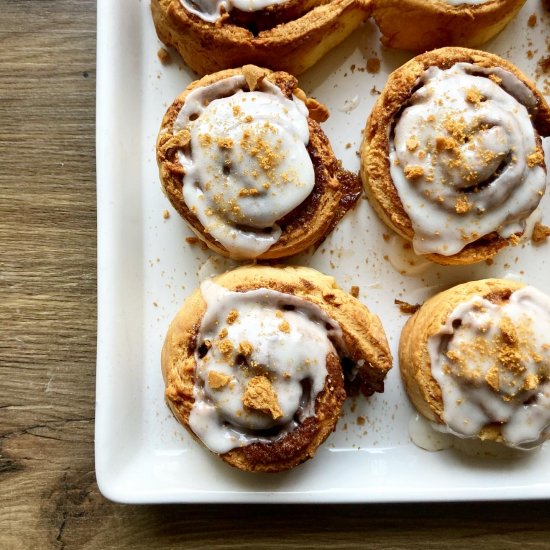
{"points": [[146, 269]]}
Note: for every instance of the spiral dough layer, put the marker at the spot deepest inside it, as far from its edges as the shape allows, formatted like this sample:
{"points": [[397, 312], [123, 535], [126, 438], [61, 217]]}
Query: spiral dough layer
{"points": [[465, 158], [492, 363], [247, 165], [261, 362]]}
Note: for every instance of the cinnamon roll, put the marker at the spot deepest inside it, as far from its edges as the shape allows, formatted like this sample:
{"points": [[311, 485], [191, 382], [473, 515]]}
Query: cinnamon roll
{"points": [[452, 156], [421, 25], [289, 35], [244, 161], [258, 362], [475, 360]]}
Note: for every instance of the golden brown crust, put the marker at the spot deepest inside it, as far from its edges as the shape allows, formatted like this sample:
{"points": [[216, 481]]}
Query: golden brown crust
{"points": [[290, 37], [375, 167], [414, 359], [363, 337], [421, 25], [335, 190]]}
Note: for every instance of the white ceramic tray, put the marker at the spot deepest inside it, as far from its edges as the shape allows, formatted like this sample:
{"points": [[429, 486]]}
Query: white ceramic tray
{"points": [[146, 269]]}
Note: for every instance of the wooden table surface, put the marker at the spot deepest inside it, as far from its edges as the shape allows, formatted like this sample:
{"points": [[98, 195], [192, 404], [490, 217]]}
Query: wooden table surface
{"points": [[48, 493]]}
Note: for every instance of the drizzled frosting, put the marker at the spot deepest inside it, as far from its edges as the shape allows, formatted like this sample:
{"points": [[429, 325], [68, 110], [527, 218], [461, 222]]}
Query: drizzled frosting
{"points": [[465, 158], [260, 342], [247, 165], [211, 10], [492, 363]]}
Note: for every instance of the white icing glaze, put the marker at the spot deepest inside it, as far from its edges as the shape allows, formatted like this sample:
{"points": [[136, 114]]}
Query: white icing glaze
{"points": [[469, 362], [247, 165], [475, 177], [211, 10], [289, 358], [403, 259], [429, 436], [423, 435], [530, 222]]}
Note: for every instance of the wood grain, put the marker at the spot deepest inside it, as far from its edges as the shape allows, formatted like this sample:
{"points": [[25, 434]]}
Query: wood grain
{"points": [[48, 494]]}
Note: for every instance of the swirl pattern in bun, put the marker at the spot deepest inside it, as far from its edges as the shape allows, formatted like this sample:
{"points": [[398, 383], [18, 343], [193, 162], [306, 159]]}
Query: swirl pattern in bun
{"points": [[421, 25], [475, 360], [244, 161], [288, 35], [258, 362], [452, 156]]}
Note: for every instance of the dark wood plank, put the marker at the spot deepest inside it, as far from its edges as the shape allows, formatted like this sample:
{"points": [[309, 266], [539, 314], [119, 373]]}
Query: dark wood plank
{"points": [[48, 494]]}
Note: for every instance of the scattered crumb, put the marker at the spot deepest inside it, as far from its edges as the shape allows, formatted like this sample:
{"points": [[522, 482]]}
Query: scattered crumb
{"points": [[191, 240], [405, 307], [253, 75], [260, 396], [462, 205], [225, 347], [155, 303], [245, 192], [245, 348], [514, 241], [540, 233], [217, 380], [166, 214], [361, 420], [492, 378], [531, 382], [232, 316], [284, 327], [224, 142], [412, 143], [473, 95], [532, 21], [164, 56], [348, 145], [413, 172], [544, 64], [373, 65], [535, 159], [354, 291]]}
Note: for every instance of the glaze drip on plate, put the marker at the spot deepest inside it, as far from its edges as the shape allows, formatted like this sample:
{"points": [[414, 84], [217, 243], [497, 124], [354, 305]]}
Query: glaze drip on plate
{"points": [[211, 10], [247, 164], [465, 158], [260, 364], [492, 363]]}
